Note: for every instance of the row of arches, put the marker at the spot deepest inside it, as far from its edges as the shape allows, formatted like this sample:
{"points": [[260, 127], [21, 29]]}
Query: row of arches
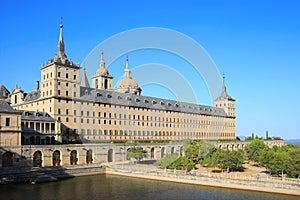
{"points": [[36, 140], [72, 158]]}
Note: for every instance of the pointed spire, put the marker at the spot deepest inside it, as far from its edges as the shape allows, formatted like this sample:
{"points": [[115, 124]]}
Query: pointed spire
{"points": [[102, 63], [127, 70], [61, 45], [84, 80], [224, 92]]}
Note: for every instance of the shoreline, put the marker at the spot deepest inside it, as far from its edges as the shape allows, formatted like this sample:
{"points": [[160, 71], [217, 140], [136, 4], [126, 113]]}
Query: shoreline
{"points": [[98, 170], [209, 184]]}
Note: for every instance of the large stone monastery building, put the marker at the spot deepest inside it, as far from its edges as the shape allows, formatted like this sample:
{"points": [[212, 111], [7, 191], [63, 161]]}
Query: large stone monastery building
{"points": [[103, 113]]}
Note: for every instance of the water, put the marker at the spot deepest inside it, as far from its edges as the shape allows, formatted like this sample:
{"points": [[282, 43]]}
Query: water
{"points": [[115, 187]]}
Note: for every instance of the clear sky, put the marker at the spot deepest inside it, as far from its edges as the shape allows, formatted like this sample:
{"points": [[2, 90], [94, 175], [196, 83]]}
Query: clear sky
{"points": [[255, 43]]}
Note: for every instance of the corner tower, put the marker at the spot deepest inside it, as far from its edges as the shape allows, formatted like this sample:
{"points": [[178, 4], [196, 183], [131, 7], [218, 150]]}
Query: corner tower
{"points": [[102, 79], [60, 76], [225, 101]]}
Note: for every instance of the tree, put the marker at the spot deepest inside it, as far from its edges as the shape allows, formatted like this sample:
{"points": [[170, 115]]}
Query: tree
{"points": [[182, 163], [255, 150], [167, 160], [136, 152], [267, 135], [229, 160]]}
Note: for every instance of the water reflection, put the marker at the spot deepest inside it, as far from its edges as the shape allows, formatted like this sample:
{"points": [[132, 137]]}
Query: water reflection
{"points": [[114, 187]]}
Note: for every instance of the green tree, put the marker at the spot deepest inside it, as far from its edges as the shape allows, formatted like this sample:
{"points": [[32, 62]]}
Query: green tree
{"points": [[279, 162], [182, 163], [167, 160], [267, 135], [229, 160], [205, 149], [255, 150], [137, 152]]}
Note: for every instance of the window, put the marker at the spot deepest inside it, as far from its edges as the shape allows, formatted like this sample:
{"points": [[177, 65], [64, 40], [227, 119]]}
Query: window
{"points": [[67, 75], [67, 93], [58, 111], [58, 92], [74, 77], [67, 111], [7, 122], [58, 74]]}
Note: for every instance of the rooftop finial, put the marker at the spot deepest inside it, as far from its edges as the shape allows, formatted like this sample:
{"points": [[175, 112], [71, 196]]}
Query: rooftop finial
{"points": [[102, 63], [61, 22], [127, 62]]}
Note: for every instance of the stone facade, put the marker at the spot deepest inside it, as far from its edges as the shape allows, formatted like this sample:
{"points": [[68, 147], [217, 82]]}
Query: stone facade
{"points": [[99, 113]]}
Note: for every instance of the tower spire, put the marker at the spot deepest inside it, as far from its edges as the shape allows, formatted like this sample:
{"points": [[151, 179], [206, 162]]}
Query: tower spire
{"points": [[127, 70], [60, 55], [224, 92], [102, 63]]}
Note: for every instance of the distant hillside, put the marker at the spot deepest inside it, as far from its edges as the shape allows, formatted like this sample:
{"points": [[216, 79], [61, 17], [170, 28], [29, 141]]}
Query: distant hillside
{"points": [[296, 142]]}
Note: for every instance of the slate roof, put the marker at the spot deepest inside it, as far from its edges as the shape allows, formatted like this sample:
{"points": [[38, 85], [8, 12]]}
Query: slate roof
{"points": [[31, 96], [3, 92], [6, 108], [36, 116], [128, 99]]}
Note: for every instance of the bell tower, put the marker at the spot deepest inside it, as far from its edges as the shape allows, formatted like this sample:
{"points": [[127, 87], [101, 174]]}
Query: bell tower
{"points": [[225, 101], [102, 79]]}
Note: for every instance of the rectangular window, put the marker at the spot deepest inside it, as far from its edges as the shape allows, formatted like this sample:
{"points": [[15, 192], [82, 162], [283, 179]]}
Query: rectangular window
{"points": [[58, 92], [67, 93], [74, 77], [67, 75], [58, 111], [67, 111], [7, 122], [58, 74]]}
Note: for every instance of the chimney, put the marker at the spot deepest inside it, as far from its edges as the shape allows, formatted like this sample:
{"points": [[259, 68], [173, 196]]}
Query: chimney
{"points": [[37, 85]]}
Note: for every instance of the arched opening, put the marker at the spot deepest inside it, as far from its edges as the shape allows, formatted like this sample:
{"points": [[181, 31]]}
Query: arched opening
{"points": [[89, 157], [37, 159], [152, 153], [162, 153], [7, 159], [22, 140], [73, 157], [110, 155], [56, 158], [47, 140], [52, 140], [105, 84], [38, 140], [172, 150], [32, 140], [96, 83]]}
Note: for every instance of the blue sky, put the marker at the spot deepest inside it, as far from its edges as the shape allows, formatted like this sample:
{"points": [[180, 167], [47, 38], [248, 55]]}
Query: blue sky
{"points": [[255, 43]]}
